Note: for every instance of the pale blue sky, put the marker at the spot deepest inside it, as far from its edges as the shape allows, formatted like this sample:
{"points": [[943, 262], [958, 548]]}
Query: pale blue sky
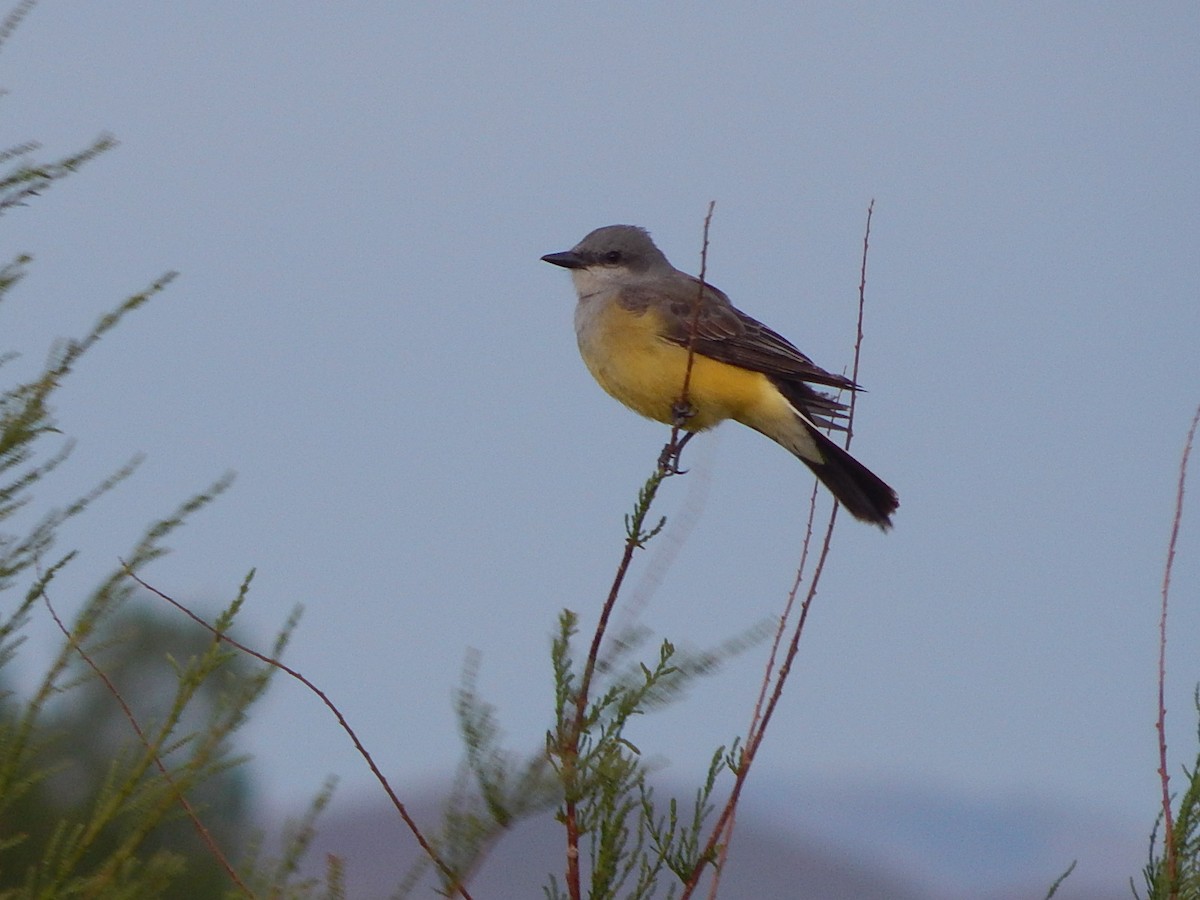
{"points": [[357, 196]]}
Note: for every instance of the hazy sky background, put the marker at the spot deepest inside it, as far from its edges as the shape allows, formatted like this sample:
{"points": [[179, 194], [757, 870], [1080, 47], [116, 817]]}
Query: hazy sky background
{"points": [[357, 195]]}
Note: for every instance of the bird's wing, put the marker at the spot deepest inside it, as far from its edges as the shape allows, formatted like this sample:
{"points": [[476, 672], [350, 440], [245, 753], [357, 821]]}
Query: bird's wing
{"points": [[728, 335]]}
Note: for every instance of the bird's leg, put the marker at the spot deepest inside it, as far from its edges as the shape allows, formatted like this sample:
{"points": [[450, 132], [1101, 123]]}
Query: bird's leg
{"points": [[668, 460], [681, 411]]}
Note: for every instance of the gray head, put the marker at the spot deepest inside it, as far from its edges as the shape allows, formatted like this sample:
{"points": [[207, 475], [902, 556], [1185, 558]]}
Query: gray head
{"points": [[613, 247]]}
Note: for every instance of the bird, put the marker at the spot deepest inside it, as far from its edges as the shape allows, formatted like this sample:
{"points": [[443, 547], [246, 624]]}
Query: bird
{"points": [[635, 319]]}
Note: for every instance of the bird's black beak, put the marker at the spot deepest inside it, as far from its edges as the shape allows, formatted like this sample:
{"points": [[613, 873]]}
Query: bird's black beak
{"points": [[568, 259]]}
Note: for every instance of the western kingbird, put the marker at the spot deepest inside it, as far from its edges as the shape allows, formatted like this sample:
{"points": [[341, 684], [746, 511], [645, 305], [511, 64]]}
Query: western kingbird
{"points": [[633, 321]]}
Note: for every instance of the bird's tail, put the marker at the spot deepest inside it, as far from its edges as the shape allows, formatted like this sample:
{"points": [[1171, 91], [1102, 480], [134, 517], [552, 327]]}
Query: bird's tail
{"points": [[864, 494]]}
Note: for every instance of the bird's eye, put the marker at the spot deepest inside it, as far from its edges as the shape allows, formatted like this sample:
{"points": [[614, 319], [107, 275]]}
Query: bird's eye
{"points": [[612, 256]]}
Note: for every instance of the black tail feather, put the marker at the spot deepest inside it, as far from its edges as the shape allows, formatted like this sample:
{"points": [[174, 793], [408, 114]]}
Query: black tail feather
{"points": [[861, 491]]}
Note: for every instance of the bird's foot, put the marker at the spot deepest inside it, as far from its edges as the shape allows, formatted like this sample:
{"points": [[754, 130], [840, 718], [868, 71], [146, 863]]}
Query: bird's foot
{"points": [[668, 460]]}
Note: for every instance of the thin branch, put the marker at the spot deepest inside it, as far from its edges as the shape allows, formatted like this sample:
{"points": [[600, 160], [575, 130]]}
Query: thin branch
{"points": [[754, 740], [793, 591], [858, 334], [768, 673], [683, 406], [719, 838], [1170, 851], [346, 727]]}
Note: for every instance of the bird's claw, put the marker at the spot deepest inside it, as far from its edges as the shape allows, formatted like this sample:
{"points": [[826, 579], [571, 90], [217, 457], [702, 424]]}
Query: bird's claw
{"points": [[668, 460]]}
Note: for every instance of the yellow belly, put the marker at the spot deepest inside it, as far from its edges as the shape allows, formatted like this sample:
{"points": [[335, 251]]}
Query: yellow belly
{"points": [[625, 354]]}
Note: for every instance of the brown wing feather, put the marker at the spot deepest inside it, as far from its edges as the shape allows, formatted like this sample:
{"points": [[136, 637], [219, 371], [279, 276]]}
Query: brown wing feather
{"points": [[728, 335]]}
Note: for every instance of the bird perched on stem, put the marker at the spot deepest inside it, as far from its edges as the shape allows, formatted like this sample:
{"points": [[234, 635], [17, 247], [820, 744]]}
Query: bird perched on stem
{"points": [[636, 318]]}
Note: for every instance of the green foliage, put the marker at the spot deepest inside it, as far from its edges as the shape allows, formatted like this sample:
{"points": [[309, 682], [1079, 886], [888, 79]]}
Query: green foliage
{"points": [[118, 776], [629, 841], [94, 763], [1058, 882], [131, 714], [635, 531], [632, 846], [493, 791], [29, 178], [83, 795], [278, 878]]}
